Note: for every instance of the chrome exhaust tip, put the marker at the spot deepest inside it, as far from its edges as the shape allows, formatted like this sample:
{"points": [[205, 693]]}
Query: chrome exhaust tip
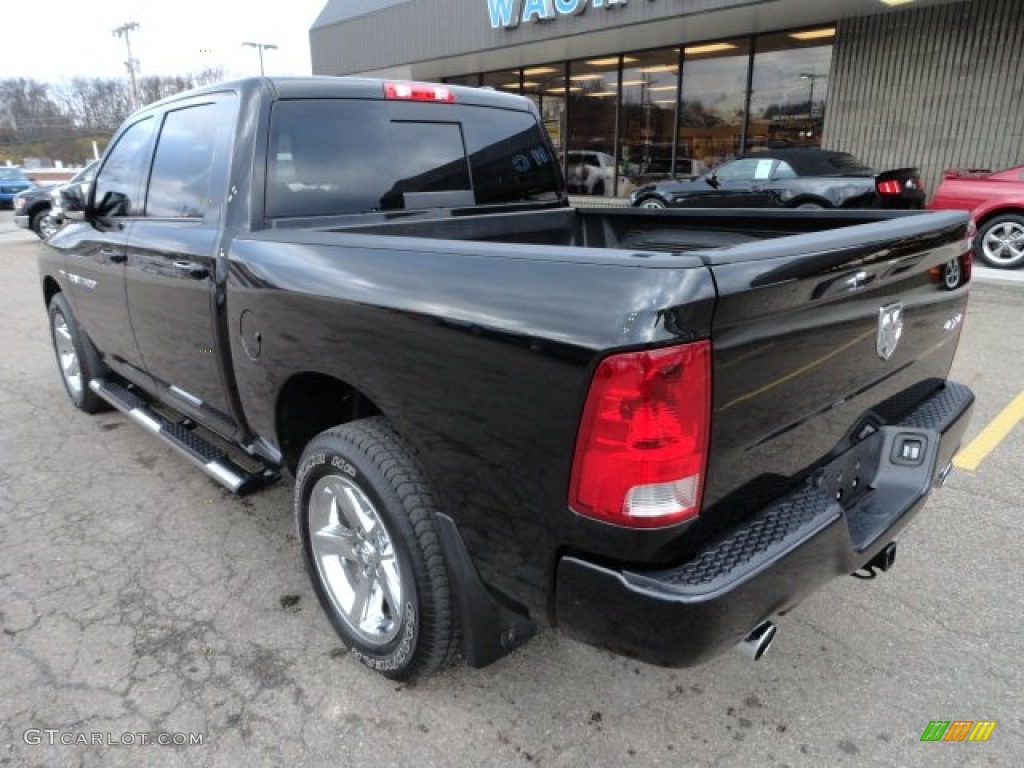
{"points": [[756, 644]]}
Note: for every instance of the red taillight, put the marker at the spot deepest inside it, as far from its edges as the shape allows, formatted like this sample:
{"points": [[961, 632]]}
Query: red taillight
{"points": [[641, 451], [966, 265], [891, 187], [418, 92]]}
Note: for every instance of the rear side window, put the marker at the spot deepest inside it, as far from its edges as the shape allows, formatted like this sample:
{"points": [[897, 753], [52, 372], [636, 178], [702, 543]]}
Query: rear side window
{"points": [[784, 171], [179, 185], [352, 156]]}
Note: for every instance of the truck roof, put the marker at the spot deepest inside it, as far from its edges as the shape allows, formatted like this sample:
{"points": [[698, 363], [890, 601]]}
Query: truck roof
{"points": [[323, 87]]}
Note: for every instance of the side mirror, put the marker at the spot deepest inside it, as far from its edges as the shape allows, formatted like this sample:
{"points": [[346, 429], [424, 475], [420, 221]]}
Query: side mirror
{"points": [[711, 179], [72, 201]]}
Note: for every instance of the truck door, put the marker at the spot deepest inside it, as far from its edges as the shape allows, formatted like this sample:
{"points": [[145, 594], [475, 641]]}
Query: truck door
{"points": [[172, 251], [95, 261]]}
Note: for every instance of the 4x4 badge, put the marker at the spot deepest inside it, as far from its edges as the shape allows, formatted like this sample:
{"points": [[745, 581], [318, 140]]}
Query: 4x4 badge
{"points": [[890, 328]]}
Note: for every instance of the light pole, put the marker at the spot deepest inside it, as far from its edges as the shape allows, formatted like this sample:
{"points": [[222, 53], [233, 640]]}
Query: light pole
{"points": [[260, 47], [812, 78], [123, 31]]}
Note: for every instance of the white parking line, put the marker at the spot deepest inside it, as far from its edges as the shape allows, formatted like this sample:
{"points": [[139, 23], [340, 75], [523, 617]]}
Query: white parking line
{"points": [[989, 275]]}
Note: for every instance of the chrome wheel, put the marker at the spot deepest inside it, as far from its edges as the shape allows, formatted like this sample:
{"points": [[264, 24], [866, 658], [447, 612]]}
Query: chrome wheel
{"points": [[70, 368], [951, 275], [652, 202], [355, 559], [1003, 244]]}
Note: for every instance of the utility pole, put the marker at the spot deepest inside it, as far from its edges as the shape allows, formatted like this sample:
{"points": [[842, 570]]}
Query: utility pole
{"points": [[813, 78], [260, 47], [123, 31]]}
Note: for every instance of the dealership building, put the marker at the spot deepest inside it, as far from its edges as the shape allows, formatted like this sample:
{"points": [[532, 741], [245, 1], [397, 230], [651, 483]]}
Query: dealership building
{"points": [[658, 87]]}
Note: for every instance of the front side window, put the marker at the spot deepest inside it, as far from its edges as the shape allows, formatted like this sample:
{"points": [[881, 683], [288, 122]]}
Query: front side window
{"points": [[120, 182], [179, 185]]}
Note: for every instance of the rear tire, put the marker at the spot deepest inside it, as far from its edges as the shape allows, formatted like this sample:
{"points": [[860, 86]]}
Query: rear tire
{"points": [[810, 207], [651, 202], [77, 359], [1000, 243], [372, 547], [952, 275]]}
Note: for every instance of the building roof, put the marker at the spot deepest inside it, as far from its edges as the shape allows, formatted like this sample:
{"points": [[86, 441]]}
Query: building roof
{"points": [[343, 10]]}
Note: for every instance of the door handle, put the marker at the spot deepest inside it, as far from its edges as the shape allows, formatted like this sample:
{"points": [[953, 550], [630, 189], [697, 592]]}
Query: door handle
{"points": [[114, 256], [194, 270]]}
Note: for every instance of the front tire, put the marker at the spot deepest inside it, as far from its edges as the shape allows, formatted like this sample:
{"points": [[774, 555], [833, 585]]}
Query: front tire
{"points": [[76, 357], [1000, 243], [38, 223], [372, 547]]}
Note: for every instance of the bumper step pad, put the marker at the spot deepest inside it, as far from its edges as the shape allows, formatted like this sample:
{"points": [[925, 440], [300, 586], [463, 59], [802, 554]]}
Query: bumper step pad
{"points": [[201, 452]]}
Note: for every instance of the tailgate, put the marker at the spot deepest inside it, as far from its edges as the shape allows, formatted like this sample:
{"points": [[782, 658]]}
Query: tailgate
{"points": [[820, 339]]}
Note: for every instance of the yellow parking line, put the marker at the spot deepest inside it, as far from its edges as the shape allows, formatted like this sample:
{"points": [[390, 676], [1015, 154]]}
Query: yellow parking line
{"points": [[991, 436]]}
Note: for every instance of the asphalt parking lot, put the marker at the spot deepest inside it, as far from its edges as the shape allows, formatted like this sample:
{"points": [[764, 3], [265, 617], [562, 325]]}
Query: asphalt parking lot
{"points": [[137, 597]]}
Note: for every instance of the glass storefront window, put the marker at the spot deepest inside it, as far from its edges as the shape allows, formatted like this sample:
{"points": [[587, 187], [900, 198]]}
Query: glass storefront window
{"points": [[593, 99], [472, 80], [612, 133], [545, 86], [650, 82], [790, 88], [712, 104], [506, 80]]}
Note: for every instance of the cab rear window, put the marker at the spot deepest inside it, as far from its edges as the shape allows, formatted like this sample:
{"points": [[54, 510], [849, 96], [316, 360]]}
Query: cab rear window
{"points": [[339, 156]]}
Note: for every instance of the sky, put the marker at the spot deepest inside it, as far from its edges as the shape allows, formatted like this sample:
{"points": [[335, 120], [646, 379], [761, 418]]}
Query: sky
{"points": [[74, 38]]}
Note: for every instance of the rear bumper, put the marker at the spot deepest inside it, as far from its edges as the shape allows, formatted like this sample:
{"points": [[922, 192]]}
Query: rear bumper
{"points": [[689, 613]]}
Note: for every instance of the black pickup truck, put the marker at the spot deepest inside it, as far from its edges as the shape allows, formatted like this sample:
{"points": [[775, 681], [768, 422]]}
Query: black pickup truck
{"points": [[655, 430]]}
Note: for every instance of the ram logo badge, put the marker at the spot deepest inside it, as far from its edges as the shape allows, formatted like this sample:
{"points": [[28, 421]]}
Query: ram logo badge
{"points": [[890, 328]]}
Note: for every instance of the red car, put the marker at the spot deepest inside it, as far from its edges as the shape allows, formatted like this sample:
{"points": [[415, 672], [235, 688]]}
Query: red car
{"points": [[996, 204]]}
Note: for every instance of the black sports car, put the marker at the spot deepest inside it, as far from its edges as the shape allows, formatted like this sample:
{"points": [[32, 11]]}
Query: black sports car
{"points": [[788, 178]]}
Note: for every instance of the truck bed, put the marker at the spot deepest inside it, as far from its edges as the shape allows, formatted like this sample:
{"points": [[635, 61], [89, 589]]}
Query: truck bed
{"points": [[719, 233], [793, 320]]}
